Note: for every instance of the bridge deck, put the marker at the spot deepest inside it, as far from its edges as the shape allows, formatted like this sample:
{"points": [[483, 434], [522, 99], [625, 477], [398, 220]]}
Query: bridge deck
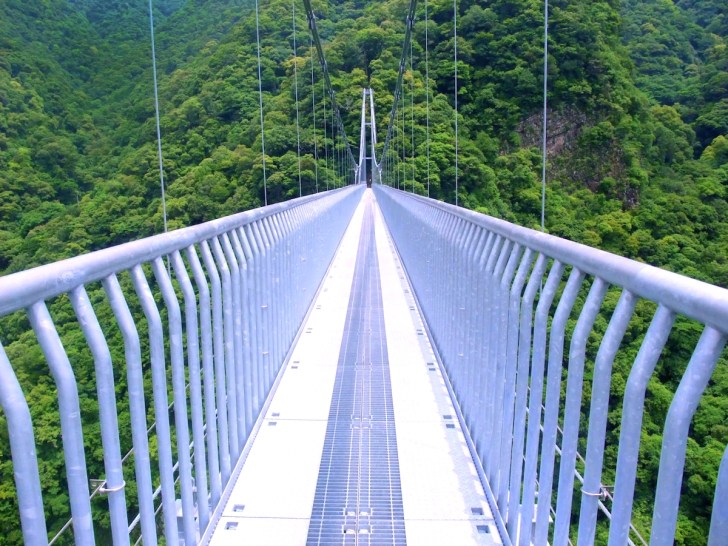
{"points": [[360, 443]]}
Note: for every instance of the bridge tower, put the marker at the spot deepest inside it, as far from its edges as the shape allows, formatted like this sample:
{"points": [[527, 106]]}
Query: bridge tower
{"points": [[368, 135]]}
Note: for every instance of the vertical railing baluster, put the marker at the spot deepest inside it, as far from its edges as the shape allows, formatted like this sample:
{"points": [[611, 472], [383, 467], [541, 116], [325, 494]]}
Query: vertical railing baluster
{"points": [[572, 408], [535, 282], [472, 391], [276, 309], [208, 375], [675, 437], [719, 519], [271, 282], [475, 332], [462, 302], [481, 439], [161, 413], [193, 366], [501, 364], [25, 461], [257, 311], [106, 394], [179, 393], [219, 363], [238, 364], [247, 364], [290, 282], [137, 406], [599, 407], [504, 436], [70, 413], [251, 320], [459, 379], [551, 412], [229, 347], [493, 368], [631, 426], [264, 302]]}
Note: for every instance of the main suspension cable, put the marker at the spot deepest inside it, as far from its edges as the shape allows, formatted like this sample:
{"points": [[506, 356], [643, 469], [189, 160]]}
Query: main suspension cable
{"points": [[260, 97], [402, 64], [327, 80], [156, 117]]}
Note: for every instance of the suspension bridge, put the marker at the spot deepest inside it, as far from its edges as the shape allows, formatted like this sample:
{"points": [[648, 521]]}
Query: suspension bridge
{"points": [[360, 366]]}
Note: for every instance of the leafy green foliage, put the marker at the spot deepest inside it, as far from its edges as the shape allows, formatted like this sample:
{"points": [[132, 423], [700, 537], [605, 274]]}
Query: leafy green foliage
{"points": [[637, 148]]}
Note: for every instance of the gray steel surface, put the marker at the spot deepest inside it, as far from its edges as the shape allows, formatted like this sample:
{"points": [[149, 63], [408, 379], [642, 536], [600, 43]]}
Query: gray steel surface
{"points": [[219, 305], [523, 396]]}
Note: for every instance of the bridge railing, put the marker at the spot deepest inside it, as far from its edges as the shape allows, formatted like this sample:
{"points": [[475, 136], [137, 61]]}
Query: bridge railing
{"points": [[501, 301], [204, 316]]}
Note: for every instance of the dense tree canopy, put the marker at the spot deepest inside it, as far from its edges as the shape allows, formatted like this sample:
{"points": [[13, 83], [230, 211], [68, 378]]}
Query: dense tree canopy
{"points": [[638, 147]]}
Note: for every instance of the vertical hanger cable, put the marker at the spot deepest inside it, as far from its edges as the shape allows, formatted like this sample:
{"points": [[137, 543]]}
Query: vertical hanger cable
{"points": [[295, 79], [156, 116], [260, 100]]}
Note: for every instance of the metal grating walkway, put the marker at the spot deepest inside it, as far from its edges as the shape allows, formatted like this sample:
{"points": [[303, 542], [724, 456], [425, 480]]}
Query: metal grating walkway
{"points": [[327, 464], [358, 494]]}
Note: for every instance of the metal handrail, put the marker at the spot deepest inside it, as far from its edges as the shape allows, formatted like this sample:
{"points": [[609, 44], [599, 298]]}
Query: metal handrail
{"points": [[228, 298], [497, 299], [19, 290], [695, 299]]}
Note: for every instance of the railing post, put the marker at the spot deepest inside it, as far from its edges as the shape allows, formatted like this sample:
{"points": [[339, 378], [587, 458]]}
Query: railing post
{"points": [[25, 462], [179, 393], [601, 383], [719, 521], [161, 413], [522, 379], [674, 440], [218, 351], [137, 406], [70, 413], [506, 430], [631, 426], [193, 366], [208, 373], [106, 395]]}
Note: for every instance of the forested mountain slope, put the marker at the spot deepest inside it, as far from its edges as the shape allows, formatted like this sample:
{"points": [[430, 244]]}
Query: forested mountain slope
{"points": [[637, 143], [638, 152]]}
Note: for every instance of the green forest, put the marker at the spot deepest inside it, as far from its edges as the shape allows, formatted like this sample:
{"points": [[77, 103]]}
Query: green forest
{"points": [[637, 145]]}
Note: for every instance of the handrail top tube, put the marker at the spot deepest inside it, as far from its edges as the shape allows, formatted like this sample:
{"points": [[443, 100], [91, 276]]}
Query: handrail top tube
{"points": [[21, 289], [695, 299]]}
